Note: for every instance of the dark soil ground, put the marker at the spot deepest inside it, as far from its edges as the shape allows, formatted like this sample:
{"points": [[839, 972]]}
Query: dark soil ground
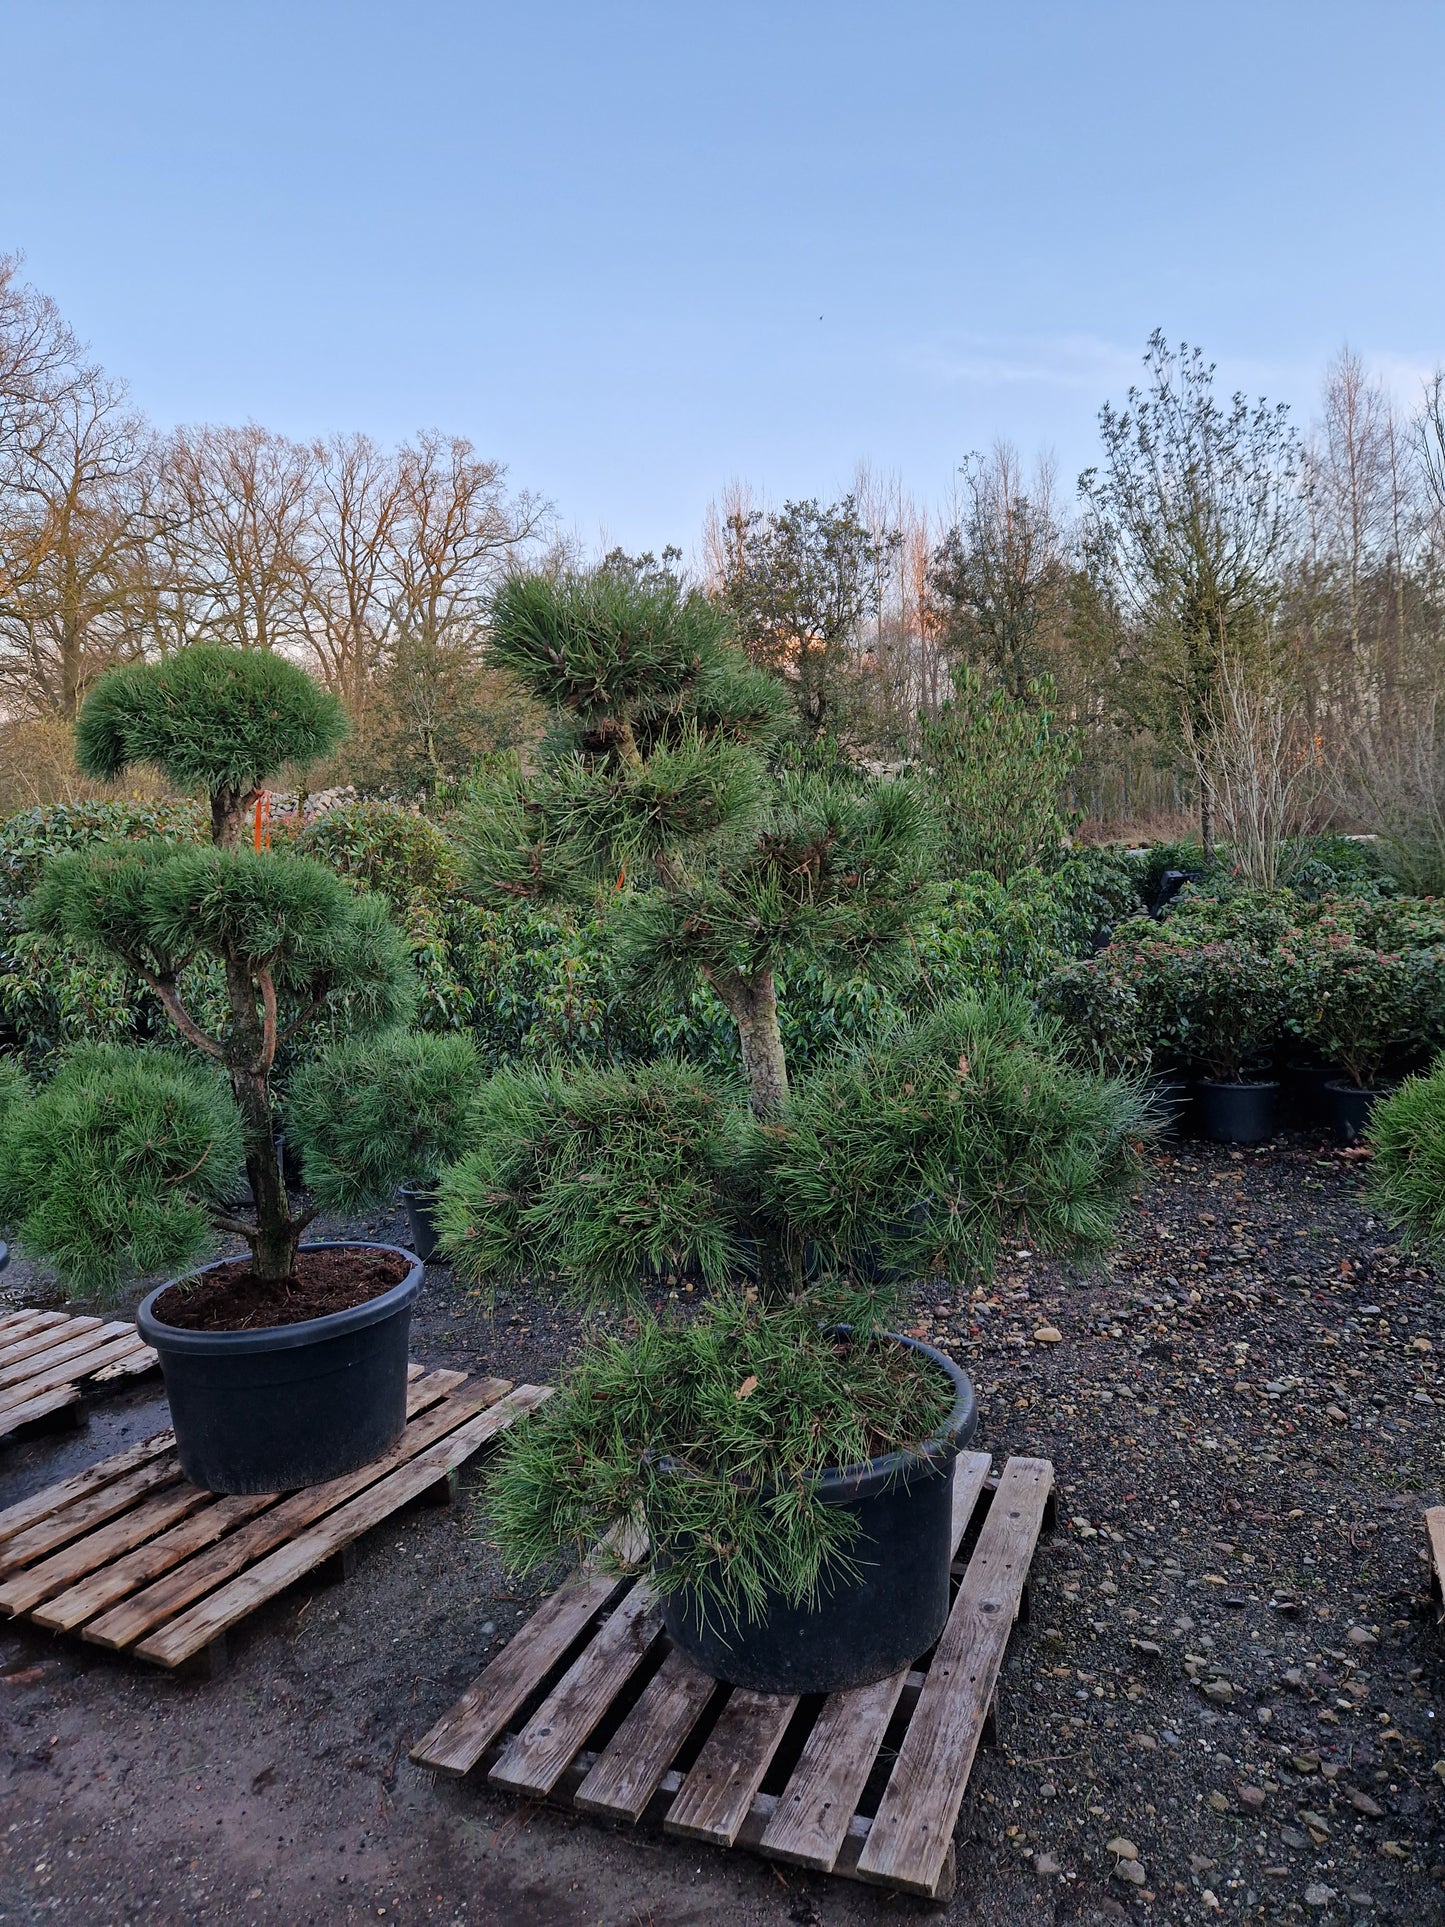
{"points": [[1226, 1705]]}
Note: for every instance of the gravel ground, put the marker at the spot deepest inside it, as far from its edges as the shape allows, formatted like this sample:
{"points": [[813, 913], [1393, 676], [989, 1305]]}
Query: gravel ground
{"points": [[1225, 1706]]}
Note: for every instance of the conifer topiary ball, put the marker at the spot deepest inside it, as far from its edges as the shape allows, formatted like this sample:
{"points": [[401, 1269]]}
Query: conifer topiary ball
{"points": [[208, 717]]}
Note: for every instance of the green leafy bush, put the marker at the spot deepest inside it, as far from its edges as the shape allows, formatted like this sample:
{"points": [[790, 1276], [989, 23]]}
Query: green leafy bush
{"points": [[377, 1112], [1406, 1133], [54, 996], [380, 846], [997, 767], [1371, 1013], [113, 1165]]}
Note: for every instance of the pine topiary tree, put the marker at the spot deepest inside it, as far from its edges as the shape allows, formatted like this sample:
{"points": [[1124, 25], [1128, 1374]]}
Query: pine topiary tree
{"points": [[291, 942], [799, 1211]]}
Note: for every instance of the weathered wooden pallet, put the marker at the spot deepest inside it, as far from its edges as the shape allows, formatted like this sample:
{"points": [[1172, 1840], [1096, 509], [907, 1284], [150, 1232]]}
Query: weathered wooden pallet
{"points": [[592, 1708], [46, 1356], [132, 1556], [1435, 1534]]}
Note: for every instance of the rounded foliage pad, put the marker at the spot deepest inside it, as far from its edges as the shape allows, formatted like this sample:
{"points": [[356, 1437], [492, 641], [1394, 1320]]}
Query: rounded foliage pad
{"points": [[110, 1166], [209, 718], [381, 1111]]}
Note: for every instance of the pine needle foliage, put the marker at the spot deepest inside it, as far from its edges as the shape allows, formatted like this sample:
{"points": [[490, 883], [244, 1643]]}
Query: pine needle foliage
{"points": [[602, 1180], [653, 797], [712, 1430], [158, 908], [110, 1168], [921, 1153], [1406, 1133], [210, 718], [377, 1112], [282, 941], [604, 645]]}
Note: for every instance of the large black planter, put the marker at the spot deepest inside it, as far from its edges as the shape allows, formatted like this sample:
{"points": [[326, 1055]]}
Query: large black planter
{"points": [[1350, 1108], [1304, 1096], [288, 1405], [420, 1205], [1237, 1113], [868, 1628]]}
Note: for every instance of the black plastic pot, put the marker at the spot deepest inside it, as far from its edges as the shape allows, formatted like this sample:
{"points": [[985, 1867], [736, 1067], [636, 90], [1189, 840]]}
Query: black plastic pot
{"points": [[1350, 1108], [420, 1205], [288, 1405], [870, 1627], [1303, 1095], [1169, 1102], [1237, 1113]]}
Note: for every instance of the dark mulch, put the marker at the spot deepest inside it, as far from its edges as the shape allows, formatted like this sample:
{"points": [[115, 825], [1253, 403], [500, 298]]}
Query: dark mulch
{"points": [[1231, 1668], [231, 1298]]}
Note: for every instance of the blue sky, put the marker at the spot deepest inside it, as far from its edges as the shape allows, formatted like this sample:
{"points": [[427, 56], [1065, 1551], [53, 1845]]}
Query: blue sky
{"points": [[636, 250]]}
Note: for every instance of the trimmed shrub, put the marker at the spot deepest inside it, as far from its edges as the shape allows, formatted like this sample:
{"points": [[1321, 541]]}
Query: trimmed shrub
{"points": [[109, 1170], [1406, 1133], [377, 1112], [921, 1152]]}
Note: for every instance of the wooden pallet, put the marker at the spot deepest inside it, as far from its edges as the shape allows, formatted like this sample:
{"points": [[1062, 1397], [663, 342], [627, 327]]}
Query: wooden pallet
{"points": [[1435, 1535], [591, 1707], [46, 1356], [132, 1556]]}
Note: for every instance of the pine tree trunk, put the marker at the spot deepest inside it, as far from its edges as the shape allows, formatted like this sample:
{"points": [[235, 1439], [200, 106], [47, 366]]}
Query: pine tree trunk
{"points": [[273, 1244], [753, 1004]]}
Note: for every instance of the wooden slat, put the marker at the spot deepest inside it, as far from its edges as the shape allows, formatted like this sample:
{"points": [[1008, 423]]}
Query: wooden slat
{"points": [[19, 1346], [18, 1323], [206, 1570], [908, 1843], [186, 1636], [630, 1770], [202, 1528], [1435, 1531], [24, 1590], [68, 1370], [55, 1498], [65, 1344], [459, 1739], [48, 1534], [55, 1400], [718, 1792], [138, 1363], [540, 1754], [810, 1822]]}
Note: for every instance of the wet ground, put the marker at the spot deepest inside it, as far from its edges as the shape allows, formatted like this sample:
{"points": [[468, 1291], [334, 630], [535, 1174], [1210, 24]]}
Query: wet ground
{"points": [[1226, 1705]]}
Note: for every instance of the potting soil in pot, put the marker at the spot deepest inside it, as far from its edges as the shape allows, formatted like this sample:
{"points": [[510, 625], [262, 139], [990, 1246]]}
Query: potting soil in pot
{"points": [[232, 1298]]}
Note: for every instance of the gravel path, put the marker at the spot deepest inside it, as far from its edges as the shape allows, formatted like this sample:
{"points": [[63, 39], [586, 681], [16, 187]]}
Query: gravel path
{"points": [[1226, 1705]]}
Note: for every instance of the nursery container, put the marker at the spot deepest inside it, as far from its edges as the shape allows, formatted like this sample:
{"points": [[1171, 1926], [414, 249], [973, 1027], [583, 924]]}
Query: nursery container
{"points": [[867, 1628], [1350, 1108], [420, 1202], [1237, 1113], [1304, 1097], [288, 1405]]}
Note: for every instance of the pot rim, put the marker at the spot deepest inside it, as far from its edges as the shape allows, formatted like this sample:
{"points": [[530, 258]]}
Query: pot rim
{"points": [[279, 1338], [1239, 1084], [841, 1484], [1346, 1086]]}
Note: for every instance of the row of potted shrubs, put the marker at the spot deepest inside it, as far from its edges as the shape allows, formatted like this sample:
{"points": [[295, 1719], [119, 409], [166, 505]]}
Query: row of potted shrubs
{"points": [[1336, 999]]}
